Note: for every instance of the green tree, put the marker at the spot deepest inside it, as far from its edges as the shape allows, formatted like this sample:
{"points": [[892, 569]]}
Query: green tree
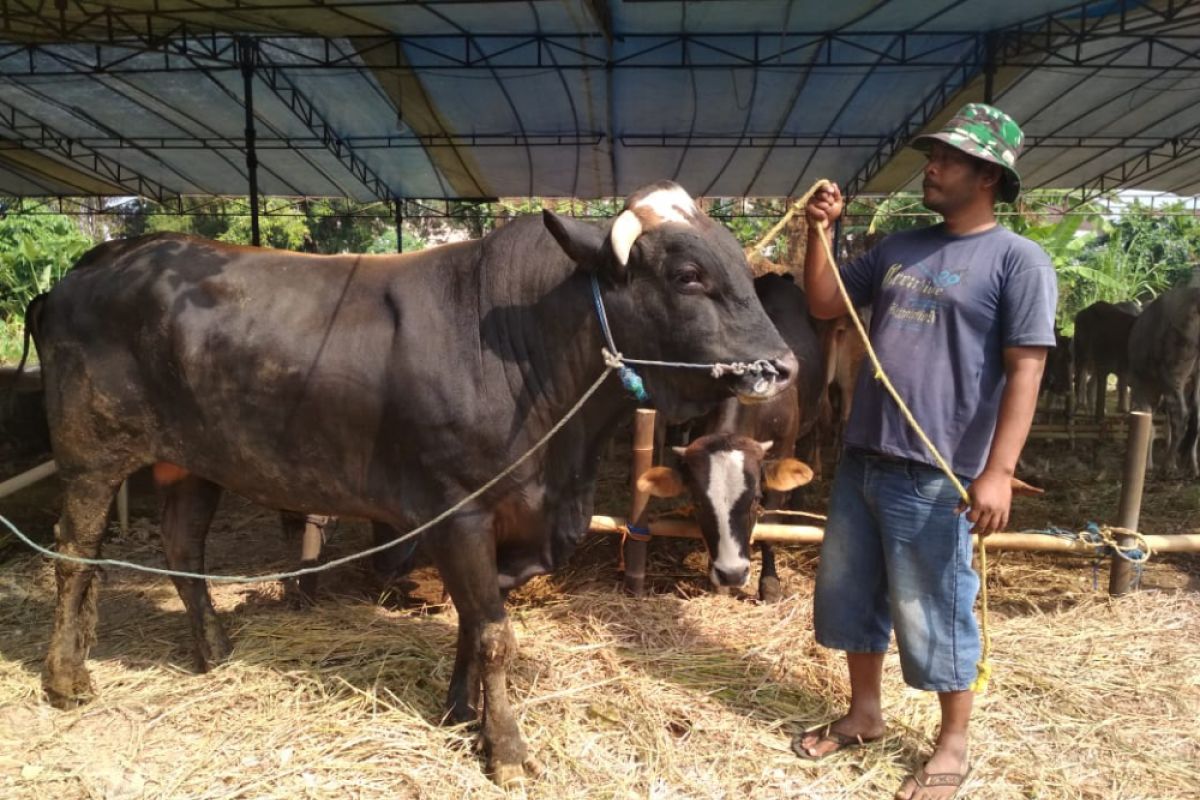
{"points": [[35, 251]]}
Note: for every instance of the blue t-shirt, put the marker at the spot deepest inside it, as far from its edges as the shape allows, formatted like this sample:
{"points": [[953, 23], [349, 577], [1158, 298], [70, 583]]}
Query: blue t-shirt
{"points": [[944, 308]]}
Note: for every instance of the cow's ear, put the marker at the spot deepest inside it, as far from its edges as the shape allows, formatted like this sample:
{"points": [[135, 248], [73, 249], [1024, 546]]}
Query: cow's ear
{"points": [[786, 474], [1021, 488], [660, 482], [585, 243]]}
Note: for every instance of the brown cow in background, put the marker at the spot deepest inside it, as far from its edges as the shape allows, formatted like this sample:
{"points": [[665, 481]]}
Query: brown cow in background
{"points": [[1100, 349]]}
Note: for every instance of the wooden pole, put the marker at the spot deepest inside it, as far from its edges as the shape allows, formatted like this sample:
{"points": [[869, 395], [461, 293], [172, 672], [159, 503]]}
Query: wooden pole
{"points": [[643, 458], [310, 554], [1137, 447], [812, 534], [123, 508], [16, 484]]}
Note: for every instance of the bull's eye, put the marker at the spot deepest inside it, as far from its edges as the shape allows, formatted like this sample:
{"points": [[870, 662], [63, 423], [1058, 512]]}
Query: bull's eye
{"points": [[687, 277]]}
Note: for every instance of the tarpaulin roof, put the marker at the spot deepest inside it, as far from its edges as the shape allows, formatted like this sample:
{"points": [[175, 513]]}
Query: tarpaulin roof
{"points": [[587, 98]]}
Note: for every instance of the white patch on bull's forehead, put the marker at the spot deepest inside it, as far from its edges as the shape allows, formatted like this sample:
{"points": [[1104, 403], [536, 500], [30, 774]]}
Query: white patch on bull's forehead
{"points": [[726, 485], [670, 205]]}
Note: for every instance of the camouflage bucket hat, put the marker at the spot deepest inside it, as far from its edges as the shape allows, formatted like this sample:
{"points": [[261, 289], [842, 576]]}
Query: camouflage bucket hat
{"points": [[987, 133]]}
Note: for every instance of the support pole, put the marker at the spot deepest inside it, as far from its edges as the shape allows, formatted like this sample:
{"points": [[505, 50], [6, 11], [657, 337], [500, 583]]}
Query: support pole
{"points": [[399, 225], [310, 553], [123, 508], [1137, 446], [28, 478], [247, 50], [643, 459], [989, 69]]}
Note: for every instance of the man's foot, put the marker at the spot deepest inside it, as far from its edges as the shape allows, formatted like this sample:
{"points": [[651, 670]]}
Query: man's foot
{"points": [[940, 779], [838, 735]]}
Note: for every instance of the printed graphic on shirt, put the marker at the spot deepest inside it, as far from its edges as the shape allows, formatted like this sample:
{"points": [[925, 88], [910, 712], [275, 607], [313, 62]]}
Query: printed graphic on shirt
{"points": [[919, 292]]}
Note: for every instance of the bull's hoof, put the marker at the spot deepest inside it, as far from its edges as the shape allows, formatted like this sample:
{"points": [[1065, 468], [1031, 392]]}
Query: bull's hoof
{"points": [[214, 649], [460, 714], [770, 590], [68, 687], [511, 776]]}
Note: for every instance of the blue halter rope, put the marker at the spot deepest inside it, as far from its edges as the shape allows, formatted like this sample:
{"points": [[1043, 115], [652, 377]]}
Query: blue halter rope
{"points": [[632, 381]]}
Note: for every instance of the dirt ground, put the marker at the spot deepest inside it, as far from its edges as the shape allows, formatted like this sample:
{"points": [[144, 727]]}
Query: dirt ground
{"points": [[682, 694]]}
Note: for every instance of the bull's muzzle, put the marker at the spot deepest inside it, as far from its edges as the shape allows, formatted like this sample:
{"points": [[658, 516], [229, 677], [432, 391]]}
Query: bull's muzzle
{"points": [[756, 387], [735, 576]]}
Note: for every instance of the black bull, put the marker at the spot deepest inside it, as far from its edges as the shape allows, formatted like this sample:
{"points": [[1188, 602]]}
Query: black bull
{"points": [[384, 387]]}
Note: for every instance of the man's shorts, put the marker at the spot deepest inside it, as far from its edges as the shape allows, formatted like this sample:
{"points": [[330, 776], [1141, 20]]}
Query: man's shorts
{"points": [[896, 554]]}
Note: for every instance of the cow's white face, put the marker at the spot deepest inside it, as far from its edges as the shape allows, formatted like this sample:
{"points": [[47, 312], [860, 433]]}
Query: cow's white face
{"points": [[724, 475], [726, 493]]}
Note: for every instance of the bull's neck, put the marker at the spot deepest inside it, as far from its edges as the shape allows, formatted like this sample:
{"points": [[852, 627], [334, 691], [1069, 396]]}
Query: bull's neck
{"points": [[551, 348]]}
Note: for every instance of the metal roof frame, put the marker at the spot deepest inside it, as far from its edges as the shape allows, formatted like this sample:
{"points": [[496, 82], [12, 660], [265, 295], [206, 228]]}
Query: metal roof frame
{"points": [[139, 40]]}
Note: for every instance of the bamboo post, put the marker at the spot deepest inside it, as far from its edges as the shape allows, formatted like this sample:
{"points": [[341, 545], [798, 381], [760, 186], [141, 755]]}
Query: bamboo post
{"points": [[1137, 446], [785, 534], [643, 458], [28, 478], [123, 508], [310, 554]]}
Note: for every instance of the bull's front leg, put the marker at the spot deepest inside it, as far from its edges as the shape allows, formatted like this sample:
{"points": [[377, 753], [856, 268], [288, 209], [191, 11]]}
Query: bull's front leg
{"points": [[486, 645], [770, 590]]}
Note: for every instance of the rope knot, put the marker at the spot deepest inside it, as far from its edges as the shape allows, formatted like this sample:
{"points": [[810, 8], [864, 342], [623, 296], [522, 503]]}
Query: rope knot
{"points": [[612, 360]]}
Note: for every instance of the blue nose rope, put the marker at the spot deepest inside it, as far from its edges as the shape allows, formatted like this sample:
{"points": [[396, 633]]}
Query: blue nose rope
{"points": [[632, 381]]}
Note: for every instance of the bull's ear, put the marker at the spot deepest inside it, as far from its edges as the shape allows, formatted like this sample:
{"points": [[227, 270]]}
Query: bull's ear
{"points": [[585, 243], [786, 474], [660, 482], [1021, 488]]}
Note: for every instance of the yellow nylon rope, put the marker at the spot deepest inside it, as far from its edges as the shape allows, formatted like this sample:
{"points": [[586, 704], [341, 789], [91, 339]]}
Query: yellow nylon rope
{"points": [[984, 666]]}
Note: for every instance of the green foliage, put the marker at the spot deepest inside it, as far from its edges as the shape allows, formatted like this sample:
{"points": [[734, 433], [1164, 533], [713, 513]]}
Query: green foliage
{"points": [[35, 251], [386, 242]]}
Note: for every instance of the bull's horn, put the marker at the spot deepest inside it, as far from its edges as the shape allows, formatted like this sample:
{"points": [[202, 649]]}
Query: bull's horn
{"points": [[625, 231]]}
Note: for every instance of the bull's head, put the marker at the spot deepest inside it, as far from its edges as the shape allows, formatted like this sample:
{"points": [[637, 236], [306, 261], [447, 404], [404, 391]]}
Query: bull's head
{"points": [[677, 288], [725, 475]]}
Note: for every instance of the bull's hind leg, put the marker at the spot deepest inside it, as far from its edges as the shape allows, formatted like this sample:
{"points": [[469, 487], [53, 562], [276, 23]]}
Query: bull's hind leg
{"points": [[79, 532], [486, 643], [189, 503]]}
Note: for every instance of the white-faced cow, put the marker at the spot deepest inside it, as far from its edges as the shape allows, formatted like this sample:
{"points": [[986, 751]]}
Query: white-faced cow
{"points": [[743, 459], [1164, 355], [383, 387]]}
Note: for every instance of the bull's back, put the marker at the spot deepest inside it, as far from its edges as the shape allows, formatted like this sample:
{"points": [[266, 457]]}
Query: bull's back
{"points": [[251, 367]]}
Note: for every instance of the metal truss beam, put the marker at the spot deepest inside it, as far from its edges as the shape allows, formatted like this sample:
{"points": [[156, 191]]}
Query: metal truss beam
{"points": [[1056, 40], [688, 52], [87, 159], [1060, 204], [1146, 36], [930, 105], [306, 111], [358, 143], [1144, 164]]}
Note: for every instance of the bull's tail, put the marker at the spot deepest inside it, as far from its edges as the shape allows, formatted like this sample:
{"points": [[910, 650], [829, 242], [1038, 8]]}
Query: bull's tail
{"points": [[32, 314]]}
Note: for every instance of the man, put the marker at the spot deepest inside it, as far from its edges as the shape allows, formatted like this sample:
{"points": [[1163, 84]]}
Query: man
{"points": [[963, 314]]}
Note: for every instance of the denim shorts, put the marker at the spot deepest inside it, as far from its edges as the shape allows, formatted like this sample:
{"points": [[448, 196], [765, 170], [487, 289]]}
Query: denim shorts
{"points": [[896, 554]]}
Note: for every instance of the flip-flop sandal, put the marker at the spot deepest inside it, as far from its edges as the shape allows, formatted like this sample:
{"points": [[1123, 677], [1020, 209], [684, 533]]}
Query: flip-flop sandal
{"points": [[933, 780], [842, 741]]}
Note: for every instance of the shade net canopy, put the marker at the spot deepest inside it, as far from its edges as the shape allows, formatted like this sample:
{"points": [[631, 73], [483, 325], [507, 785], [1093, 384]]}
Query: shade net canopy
{"points": [[376, 100]]}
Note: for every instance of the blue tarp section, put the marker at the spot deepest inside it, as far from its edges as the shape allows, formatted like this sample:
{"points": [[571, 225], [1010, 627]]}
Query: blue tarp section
{"points": [[588, 99]]}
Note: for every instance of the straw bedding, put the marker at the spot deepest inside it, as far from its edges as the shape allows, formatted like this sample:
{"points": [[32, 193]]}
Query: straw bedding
{"points": [[682, 694]]}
